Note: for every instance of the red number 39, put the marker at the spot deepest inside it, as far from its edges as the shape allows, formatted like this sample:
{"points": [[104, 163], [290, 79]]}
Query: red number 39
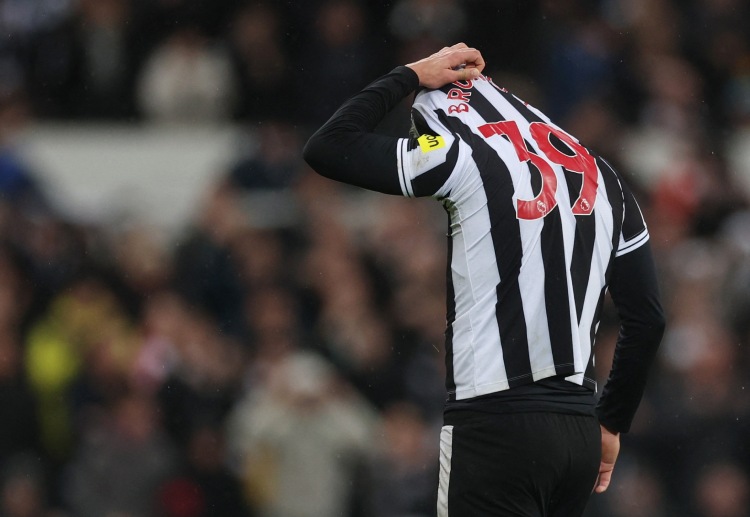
{"points": [[581, 162]]}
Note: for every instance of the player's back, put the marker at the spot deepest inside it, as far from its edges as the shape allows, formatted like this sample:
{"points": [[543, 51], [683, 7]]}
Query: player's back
{"points": [[536, 218]]}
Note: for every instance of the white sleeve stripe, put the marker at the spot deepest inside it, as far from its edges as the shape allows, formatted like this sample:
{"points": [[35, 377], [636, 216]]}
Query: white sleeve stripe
{"points": [[634, 244], [406, 188]]}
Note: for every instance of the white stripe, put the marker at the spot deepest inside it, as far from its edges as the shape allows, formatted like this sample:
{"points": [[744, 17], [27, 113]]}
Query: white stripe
{"points": [[632, 245], [599, 262], [475, 276], [531, 283], [400, 155], [446, 453], [569, 227]]}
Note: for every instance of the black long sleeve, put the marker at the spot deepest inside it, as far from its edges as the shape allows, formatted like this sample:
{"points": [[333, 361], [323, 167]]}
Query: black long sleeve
{"points": [[635, 292], [345, 149]]}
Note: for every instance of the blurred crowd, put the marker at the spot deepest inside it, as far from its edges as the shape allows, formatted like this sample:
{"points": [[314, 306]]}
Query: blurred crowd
{"points": [[282, 356]]}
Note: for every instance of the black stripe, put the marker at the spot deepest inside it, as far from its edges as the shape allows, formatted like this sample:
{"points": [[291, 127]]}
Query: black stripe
{"points": [[583, 251], [583, 240], [485, 109], [506, 239], [450, 303], [556, 293], [402, 173], [428, 183]]}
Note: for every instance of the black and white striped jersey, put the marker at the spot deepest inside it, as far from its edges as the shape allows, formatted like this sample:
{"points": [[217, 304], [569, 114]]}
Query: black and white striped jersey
{"points": [[537, 222]]}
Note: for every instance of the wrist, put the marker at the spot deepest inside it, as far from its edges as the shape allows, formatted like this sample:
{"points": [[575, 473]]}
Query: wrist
{"points": [[414, 73], [411, 76]]}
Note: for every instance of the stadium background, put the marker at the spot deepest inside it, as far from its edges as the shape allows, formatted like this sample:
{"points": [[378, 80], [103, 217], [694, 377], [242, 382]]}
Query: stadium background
{"points": [[195, 324]]}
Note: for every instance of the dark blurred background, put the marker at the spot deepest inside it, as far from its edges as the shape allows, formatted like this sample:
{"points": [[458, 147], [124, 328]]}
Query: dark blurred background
{"points": [[241, 337]]}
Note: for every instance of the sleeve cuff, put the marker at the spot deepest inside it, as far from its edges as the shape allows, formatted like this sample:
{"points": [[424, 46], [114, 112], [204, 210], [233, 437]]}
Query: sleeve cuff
{"points": [[410, 77]]}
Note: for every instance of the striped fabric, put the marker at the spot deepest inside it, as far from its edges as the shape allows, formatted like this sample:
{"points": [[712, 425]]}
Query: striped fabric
{"points": [[535, 222], [444, 478]]}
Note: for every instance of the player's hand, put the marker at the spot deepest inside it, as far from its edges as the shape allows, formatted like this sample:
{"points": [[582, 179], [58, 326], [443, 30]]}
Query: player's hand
{"points": [[610, 450], [456, 63]]}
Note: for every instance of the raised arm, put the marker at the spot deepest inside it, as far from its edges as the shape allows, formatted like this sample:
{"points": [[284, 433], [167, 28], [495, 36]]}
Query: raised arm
{"points": [[346, 149]]}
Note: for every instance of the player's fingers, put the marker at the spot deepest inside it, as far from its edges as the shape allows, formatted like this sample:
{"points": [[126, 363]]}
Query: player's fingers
{"points": [[476, 61], [470, 57]]}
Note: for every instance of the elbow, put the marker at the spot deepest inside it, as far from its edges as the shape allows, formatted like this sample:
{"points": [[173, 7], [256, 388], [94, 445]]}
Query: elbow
{"points": [[658, 326], [658, 321], [649, 320], [312, 153], [653, 329], [319, 155]]}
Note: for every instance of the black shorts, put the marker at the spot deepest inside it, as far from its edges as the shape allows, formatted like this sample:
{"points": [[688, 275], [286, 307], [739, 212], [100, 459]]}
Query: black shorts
{"points": [[518, 464]]}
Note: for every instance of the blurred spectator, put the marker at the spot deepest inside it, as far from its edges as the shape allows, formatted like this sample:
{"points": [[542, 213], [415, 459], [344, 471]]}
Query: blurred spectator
{"points": [[56, 250], [736, 93], [17, 184], [123, 458], [362, 347], [212, 17], [735, 238], [187, 79], [204, 487], [597, 125], [301, 442], [142, 265], [337, 60], [262, 258], [273, 323], [272, 167], [76, 358], [18, 406], [85, 65], [163, 318], [722, 490], [579, 59], [204, 380], [405, 469], [352, 333], [675, 93], [722, 50], [438, 23], [205, 273], [694, 193], [264, 71], [25, 18], [23, 492]]}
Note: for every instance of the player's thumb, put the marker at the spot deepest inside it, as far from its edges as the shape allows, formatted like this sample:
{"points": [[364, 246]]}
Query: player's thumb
{"points": [[466, 74], [602, 482]]}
